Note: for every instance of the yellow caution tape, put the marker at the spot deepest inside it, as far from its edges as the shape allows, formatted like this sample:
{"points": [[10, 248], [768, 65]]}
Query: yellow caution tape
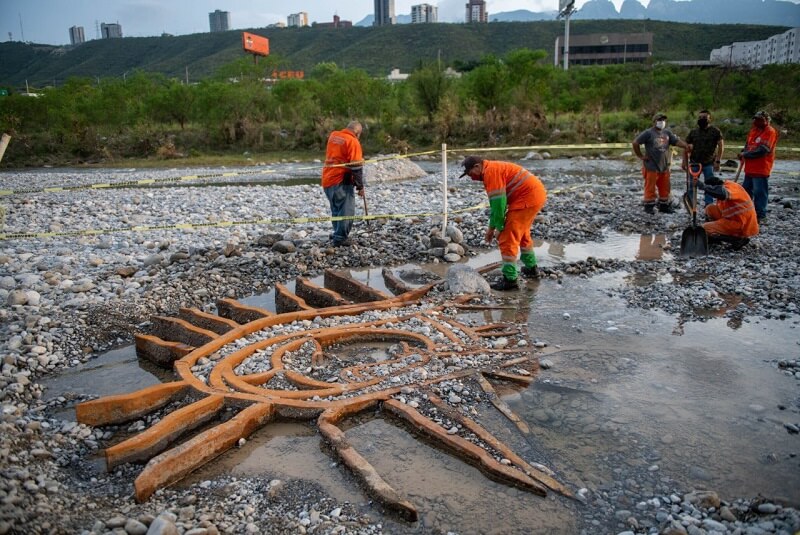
{"points": [[131, 183], [193, 226], [265, 222]]}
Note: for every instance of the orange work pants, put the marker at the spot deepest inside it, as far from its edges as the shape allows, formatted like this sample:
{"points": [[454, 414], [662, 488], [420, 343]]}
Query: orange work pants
{"points": [[722, 227], [515, 235], [654, 180]]}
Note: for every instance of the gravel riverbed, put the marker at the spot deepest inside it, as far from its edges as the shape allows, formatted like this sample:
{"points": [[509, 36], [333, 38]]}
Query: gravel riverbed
{"points": [[67, 299]]}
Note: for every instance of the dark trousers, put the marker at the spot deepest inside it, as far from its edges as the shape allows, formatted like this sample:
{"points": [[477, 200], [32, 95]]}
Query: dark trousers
{"points": [[758, 189], [342, 199]]}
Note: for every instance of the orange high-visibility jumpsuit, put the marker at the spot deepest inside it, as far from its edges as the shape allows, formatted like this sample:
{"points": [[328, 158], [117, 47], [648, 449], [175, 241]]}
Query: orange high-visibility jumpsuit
{"points": [[515, 197], [734, 215]]}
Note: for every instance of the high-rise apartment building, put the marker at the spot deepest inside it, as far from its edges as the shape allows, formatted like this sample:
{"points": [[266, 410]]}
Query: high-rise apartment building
{"points": [[110, 31], [76, 36], [219, 21], [780, 48], [296, 20], [384, 13], [476, 11], [424, 13]]}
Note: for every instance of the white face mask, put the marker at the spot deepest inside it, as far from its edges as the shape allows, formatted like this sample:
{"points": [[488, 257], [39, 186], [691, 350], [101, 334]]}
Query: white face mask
{"points": [[661, 124]]}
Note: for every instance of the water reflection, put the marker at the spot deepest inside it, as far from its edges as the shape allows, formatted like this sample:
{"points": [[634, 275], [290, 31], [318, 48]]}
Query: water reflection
{"points": [[616, 246], [651, 246], [118, 371]]}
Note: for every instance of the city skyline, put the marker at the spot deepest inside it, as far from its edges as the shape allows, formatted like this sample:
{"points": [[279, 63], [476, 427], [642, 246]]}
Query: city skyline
{"points": [[48, 21]]}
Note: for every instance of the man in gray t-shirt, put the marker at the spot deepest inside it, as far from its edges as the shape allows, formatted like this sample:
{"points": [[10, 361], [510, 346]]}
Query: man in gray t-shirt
{"points": [[655, 163]]}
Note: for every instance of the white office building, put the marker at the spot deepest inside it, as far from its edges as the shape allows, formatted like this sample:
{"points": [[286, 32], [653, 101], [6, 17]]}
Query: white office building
{"points": [[297, 20], [422, 13], [781, 48]]}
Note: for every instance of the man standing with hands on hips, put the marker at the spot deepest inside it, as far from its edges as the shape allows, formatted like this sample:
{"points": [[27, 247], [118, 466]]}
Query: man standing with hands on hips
{"points": [[656, 159]]}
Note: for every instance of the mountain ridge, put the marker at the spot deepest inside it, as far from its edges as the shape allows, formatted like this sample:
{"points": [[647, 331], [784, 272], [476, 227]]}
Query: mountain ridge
{"points": [[768, 12], [375, 50]]}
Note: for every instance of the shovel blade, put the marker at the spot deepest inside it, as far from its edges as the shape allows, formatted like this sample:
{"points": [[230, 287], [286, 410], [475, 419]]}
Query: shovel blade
{"points": [[694, 242]]}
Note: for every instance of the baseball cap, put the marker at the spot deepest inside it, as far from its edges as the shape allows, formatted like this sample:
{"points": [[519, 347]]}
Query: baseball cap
{"points": [[659, 116], [470, 162], [761, 115]]}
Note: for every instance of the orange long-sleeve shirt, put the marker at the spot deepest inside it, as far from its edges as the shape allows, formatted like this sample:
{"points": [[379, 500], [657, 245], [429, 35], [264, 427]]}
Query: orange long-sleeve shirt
{"points": [[510, 187], [343, 148], [767, 138]]}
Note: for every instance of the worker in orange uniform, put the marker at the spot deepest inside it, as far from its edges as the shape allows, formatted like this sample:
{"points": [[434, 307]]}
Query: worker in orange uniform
{"points": [[732, 218], [758, 157], [515, 197], [342, 174]]}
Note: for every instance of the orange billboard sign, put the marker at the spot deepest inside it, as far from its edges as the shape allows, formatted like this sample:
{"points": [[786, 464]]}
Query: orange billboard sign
{"points": [[255, 44]]}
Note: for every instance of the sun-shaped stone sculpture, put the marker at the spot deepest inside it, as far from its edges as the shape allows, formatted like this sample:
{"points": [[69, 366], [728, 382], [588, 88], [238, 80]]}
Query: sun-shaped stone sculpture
{"points": [[303, 361]]}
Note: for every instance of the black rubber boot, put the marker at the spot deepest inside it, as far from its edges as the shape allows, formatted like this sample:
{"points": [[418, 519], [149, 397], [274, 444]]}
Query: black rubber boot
{"points": [[505, 285], [650, 207], [665, 207], [530, 272], [738, 243]]}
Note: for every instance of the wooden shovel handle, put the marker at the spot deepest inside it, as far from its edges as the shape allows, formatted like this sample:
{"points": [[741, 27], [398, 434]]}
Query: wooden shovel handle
{"points": [[738, 171]]}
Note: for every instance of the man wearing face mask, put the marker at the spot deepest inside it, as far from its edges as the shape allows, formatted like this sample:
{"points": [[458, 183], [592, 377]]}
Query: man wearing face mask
{"points": [[758, 156], [515, 197], [656, 159], [707, 148]]}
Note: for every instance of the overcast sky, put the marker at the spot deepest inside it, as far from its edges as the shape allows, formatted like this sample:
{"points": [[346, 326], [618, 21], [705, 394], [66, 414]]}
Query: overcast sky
{"points": [[48, 21]]}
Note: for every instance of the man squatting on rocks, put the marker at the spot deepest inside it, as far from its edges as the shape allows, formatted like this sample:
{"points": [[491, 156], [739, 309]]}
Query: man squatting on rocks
{"points": [[732, 218], [758, 156], [655, 168], [707, 148], [515, 197], [339, 180]]}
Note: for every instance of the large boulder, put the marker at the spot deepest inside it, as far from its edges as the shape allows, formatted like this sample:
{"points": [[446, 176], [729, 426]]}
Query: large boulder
{"points": [[462, 279]]}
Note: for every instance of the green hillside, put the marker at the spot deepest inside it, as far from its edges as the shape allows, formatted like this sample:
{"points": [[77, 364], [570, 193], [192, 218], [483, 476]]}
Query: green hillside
{"points": [[374, 49]]}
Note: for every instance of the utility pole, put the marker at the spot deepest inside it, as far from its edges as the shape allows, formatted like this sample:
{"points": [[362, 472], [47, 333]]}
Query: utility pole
{"points": [[565, 9], [21, 31]]}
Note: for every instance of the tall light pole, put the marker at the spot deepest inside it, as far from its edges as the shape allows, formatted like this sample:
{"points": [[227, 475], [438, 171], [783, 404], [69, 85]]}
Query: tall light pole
{"points": [[565, 9]]}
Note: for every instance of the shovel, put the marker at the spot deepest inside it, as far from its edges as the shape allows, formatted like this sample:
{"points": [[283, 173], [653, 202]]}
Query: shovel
{"points": [[694, 241]]}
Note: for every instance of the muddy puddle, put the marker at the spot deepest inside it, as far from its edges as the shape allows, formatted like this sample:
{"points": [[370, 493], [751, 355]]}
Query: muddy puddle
{"points": [[627, 402]]}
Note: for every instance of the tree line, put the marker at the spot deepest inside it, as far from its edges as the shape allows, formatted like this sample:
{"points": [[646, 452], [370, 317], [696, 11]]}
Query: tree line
{"points": [[518, 98]]}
